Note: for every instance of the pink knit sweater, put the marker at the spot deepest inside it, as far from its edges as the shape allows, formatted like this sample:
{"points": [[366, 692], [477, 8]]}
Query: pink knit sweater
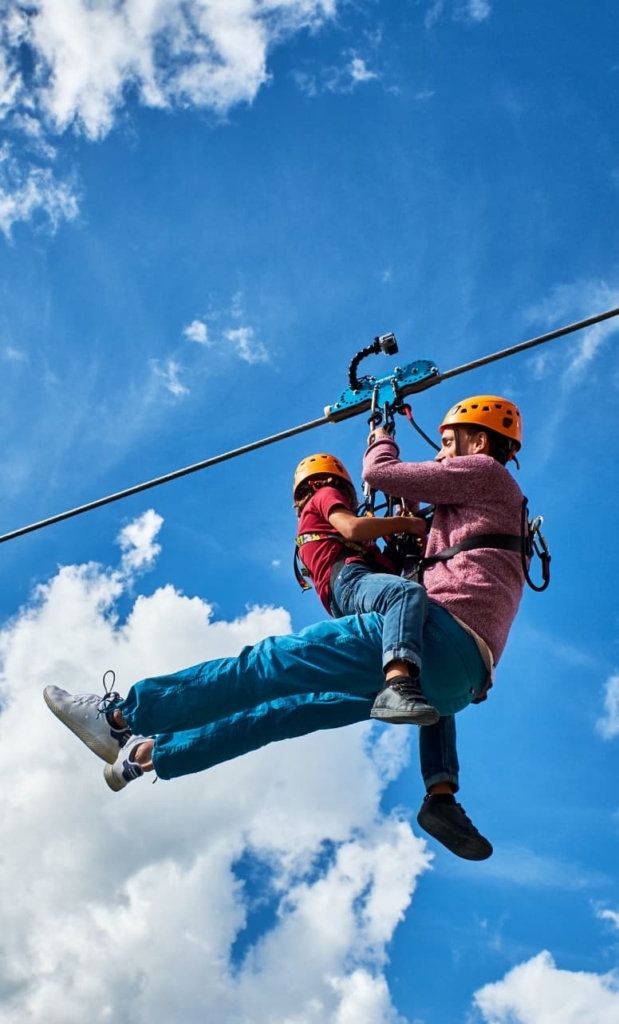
{"points": [[473, 494]]}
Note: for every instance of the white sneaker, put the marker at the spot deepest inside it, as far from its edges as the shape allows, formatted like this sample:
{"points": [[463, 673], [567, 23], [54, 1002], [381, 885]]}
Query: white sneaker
{"points": [[125, 769], [86, 715]]}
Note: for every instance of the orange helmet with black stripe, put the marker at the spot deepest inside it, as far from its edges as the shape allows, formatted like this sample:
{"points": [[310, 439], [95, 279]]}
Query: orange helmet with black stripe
{"points": [[490, 411], [313, 464]]}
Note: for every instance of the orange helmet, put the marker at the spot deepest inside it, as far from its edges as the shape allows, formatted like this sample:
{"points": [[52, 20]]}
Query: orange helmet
{"points": [[498, 414], [313, 464]]}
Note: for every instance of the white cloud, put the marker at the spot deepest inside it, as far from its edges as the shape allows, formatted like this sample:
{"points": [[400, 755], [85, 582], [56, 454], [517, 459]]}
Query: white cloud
{"points": [[197, 331], [478, 10], [359, 71], [205, 53], [169, 375], [306, 82], [608, 915], [608, 725], [26, 190], [567, 360], [248, 349], [236, 308], [346, 78], [566, 304], [88, 56], [343, 78], [137, 542], [537, 992], [15, 355], [523, 866], [470, 10], [241, 338], [435, 12], [126, 907]]}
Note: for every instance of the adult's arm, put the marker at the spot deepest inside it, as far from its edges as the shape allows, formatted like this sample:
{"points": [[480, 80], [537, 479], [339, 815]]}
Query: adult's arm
{"points": [[460, 481]]}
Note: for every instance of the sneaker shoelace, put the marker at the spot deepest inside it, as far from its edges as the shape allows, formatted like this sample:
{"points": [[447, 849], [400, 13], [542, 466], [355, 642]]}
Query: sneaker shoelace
{"points": [[408, 687], [111, 697], [466, 817]]}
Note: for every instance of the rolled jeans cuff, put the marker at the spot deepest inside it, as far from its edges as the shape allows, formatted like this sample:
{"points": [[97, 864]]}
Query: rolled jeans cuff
{"points": [[442, 777], [402, 654]]}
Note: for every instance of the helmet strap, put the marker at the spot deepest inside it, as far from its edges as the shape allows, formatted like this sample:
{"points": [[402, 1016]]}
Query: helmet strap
{"points": [[317, 484]]}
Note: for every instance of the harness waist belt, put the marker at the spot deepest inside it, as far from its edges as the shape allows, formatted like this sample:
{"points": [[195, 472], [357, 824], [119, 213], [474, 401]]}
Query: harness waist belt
{"points": [[502, 541]]}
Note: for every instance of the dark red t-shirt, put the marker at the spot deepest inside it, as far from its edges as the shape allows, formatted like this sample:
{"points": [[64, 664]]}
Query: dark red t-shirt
{"points": [[319, 556]]}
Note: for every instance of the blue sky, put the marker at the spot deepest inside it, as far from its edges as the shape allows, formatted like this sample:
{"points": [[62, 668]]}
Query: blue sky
{"points": [[205, 210]]}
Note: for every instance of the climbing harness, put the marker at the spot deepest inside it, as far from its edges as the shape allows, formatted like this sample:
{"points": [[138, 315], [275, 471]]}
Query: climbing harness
{"points": [[527, 543], [301, 573], [358, 550], [355, 400]]}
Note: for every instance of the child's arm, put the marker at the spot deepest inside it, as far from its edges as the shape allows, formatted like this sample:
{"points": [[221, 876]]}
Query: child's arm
{"points": [[362, 528]]}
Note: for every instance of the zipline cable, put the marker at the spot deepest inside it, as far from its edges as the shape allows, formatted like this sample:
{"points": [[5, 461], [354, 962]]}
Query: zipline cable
{"points": [[580, 325], [254, 445], [163, 479]]}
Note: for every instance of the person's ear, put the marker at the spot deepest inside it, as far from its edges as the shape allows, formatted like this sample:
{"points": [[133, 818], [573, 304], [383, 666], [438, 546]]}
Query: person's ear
{"points": [[482, 442]]}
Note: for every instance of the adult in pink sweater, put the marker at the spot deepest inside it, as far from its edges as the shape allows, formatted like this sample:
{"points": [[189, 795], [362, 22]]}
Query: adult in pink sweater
{"points": [[474, 496]]}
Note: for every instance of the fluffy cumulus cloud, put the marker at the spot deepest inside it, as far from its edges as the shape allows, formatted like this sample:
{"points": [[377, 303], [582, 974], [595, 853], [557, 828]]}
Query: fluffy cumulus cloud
{"points": [[538, 992], [88, 53], [197, 331], [71, 64], [133, 907], [138, 542]]}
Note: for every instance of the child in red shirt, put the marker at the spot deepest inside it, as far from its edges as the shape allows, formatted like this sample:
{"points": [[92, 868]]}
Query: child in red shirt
{"points": [[352, 575]]}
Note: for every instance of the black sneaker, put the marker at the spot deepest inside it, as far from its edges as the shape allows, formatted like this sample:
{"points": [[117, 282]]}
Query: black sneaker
{"points": [[450, 824], [403, 703]]}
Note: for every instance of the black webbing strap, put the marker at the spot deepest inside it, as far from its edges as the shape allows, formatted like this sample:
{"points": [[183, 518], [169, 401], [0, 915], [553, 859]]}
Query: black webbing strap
{"points": [[502, 541]]}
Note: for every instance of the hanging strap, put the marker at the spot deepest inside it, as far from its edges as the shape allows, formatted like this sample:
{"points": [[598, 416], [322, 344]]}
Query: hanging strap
{"points": [[300, 572], [304, 538], [502, 541]]}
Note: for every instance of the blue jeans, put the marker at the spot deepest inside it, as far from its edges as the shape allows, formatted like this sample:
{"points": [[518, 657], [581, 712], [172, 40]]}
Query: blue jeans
{"points": [[402, 603], [324, 677], [438, 753]]}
